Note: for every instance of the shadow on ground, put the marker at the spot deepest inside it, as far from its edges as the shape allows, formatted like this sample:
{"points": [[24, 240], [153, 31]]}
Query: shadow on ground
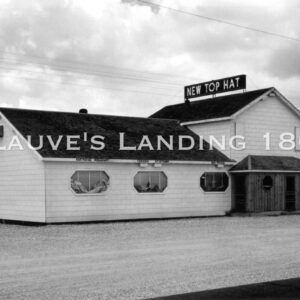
{"points": [[281, 289]]}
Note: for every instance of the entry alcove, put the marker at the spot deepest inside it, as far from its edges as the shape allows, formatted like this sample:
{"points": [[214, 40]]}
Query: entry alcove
{"points": [[250, 194], [257, 190]]}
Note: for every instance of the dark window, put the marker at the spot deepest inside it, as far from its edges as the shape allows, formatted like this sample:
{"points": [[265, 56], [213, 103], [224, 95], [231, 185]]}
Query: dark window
{"points": [[89, 182], [290, 195], [267, 182], [150, 182], [214, 181]]}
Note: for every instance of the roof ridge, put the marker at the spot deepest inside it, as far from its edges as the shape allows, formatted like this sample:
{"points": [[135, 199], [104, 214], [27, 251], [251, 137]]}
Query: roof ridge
{"points": [[220, 97], [88, 114]]}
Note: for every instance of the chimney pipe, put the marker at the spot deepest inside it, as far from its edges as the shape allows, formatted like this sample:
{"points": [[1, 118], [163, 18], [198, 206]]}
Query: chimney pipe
{"points": [[187, 102], [83, 111]]}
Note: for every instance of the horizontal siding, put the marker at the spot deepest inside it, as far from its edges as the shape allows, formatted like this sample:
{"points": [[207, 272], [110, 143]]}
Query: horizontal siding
{"points": [[22, 195], [270, 115], [217, 130], [183, 196]]}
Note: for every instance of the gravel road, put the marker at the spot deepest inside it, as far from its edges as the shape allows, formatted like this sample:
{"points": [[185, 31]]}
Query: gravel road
{"points": [[134, 260]]}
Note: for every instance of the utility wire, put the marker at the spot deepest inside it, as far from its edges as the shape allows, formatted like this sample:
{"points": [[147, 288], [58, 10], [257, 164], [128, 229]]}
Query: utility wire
{"points": [[48, 62], [97, 73], [253, 82], [221, 21], [70, 76], [101, 74], [88, 86]]}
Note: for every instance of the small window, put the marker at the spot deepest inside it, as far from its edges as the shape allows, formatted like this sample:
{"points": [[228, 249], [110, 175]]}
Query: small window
{"points": [[267, 182], [89, 182], [150, 182], [214, 181]]}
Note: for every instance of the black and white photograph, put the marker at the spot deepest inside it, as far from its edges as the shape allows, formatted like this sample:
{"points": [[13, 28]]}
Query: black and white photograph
{"points": [[149, 149]]}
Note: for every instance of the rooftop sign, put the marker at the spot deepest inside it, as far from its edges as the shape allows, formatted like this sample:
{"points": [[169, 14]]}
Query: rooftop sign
{"points": [[215, 87]]}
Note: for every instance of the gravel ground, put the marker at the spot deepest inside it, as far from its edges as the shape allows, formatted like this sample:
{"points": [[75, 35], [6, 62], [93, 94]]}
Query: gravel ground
{"points": [[134, 260]]}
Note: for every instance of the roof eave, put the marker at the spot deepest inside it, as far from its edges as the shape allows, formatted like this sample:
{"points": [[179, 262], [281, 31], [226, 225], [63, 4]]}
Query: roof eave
{"points": [[206, 121], [252, 103], [277, 93], [190, 162], [18, 133], [264, 171], [287, 102]]}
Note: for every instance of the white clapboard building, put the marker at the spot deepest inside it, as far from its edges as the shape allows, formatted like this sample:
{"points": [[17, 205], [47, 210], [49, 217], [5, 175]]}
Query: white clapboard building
{"points": [[112, 172], [51, 184], [260, 131]]}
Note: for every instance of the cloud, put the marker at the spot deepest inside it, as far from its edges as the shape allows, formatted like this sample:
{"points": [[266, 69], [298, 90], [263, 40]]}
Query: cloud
{"points": [[284, 62], [124, 57], [153, 7]]}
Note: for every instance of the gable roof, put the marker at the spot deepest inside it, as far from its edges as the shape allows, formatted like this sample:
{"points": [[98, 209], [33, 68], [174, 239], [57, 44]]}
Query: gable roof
{"points": [[267, 163], [37, 122], [213, 108]]}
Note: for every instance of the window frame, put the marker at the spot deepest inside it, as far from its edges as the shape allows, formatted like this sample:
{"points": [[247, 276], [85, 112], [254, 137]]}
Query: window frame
{"points": [[149, 193], [216, 192], [265, 186], [89, 194]]}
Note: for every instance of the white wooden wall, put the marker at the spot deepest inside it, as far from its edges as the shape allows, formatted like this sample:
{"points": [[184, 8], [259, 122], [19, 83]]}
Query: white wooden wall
{"points": [[22, 187], [270, 115], [216, 129], [182, 197]]}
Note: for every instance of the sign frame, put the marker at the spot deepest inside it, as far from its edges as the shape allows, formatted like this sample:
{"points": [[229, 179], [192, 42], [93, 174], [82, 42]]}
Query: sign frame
{"points": [[213, 87]]}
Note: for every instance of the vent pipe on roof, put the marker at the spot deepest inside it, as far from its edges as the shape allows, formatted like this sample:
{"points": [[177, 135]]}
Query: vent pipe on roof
{"points": [[83, 111], [272, 94], [187, 102]]}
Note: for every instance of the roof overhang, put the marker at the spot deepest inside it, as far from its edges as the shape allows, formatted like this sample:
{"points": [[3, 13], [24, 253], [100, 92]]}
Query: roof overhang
{"points": [[126, 161], [206, 121], [264, 171]]}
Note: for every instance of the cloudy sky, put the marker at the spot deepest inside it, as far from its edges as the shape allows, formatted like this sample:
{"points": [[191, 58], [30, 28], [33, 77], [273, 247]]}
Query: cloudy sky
{"points": [[126, 57]]}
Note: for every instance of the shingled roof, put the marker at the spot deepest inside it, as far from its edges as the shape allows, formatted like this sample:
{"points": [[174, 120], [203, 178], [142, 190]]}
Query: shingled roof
{"points": [[36, 122], [219, 107], [267, 163]]}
